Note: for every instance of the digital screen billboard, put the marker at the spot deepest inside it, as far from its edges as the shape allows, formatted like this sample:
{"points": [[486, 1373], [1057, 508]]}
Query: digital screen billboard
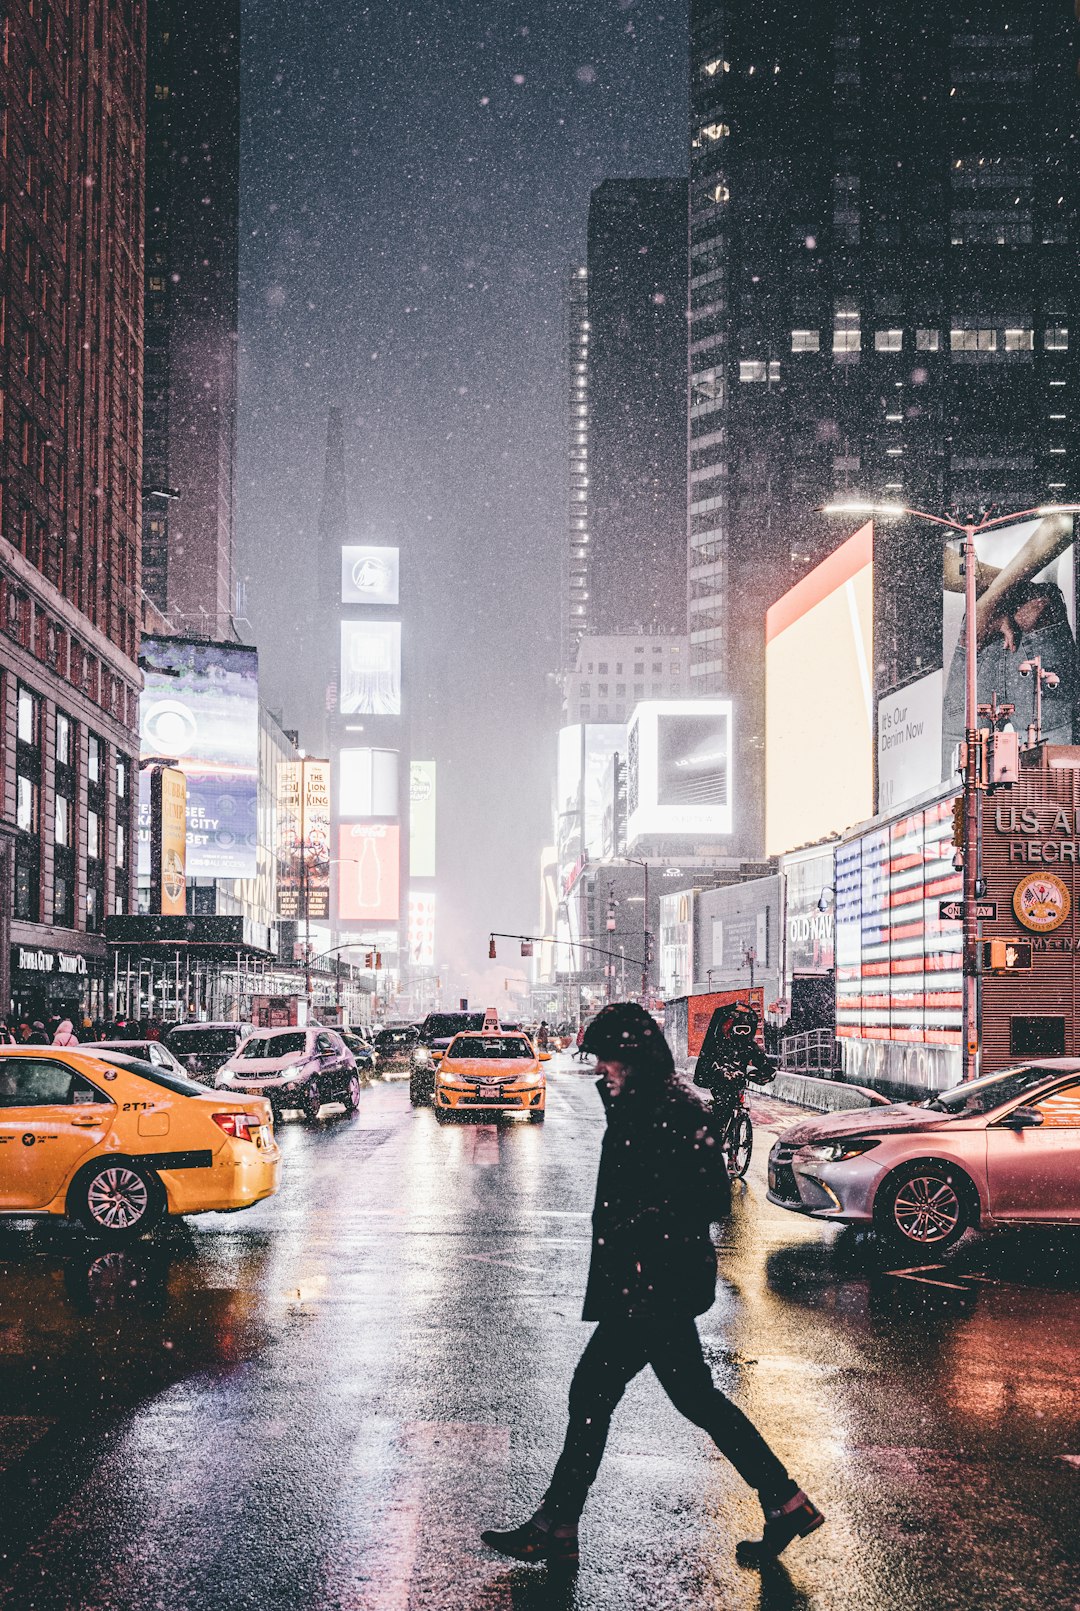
{"points": [[304, 804], [370, 668], [369, 575], [909, 741], [421, 929], [168, 841], [1026, 608], [679, 768], [819, 699], [368, 872], [584, 761], [367, 783], [898, 962], [200, 708], [422, 800]]}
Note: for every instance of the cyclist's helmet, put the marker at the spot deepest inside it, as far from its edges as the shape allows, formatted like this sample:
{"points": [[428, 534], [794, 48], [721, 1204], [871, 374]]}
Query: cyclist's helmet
{"points": [[626, 1033], [740, 1022]]}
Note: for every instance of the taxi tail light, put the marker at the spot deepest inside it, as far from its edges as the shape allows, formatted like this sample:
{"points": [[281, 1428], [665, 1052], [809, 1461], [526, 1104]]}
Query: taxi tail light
{"points": [[243, 1126]]}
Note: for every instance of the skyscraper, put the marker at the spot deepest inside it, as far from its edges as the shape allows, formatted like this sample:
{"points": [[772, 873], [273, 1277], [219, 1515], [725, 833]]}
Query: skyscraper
{"points": [[637, 407], [71, 218], [192, 223], [576, 598], [883, 299]]}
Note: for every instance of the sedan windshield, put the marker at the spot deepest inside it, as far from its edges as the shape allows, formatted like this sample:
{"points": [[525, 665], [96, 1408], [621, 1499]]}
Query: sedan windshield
{"points": [[989, 1092], [203, 1042], [273, 1046], [490, 1046]]}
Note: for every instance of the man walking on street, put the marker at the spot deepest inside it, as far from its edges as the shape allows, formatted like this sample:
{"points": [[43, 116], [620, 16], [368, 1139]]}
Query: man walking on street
{"points": [[662, 1181]]}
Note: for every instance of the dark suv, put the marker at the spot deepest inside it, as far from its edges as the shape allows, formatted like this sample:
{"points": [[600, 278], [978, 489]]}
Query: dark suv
{"points": [[436, 1033]]}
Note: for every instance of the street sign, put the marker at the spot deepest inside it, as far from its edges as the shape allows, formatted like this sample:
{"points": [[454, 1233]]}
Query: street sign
{"points": [[953, 911]]}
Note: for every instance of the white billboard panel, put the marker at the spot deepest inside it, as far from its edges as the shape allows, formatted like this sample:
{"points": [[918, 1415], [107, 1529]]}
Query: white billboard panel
{"points": [[367, 783], [909, 741], [679, 768], [369, 575], [370, 668]]}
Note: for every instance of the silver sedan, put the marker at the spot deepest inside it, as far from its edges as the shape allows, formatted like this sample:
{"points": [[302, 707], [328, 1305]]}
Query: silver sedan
{"points": [[1000, 1150]]}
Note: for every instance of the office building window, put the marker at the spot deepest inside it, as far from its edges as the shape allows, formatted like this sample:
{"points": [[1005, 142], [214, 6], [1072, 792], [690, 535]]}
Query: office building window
{"points": [[927, 340], [848, 340], [28, 806], [973, 340], [805, 340], [1019, 340], [888, 340], [1056, 338]]}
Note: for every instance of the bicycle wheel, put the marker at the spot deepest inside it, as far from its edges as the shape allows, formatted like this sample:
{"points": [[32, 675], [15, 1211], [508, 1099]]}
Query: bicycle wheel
{"points": [[739, 1144]]}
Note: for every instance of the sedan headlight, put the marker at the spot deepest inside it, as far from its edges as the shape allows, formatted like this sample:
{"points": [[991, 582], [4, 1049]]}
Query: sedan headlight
{"points": [[421, 1056], [836, 1151]]}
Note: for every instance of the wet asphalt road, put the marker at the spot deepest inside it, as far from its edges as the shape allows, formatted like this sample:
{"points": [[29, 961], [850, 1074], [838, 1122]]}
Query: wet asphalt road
{"points": [[320, 1402]]}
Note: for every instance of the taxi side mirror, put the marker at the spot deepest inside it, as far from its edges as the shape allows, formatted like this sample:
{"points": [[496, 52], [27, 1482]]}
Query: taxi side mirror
{"points": [[1022, 1119], [544, 1057]]}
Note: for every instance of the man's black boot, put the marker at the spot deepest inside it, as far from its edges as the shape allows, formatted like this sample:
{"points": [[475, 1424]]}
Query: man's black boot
{"points": [[536, 1540], [797, 1517]]}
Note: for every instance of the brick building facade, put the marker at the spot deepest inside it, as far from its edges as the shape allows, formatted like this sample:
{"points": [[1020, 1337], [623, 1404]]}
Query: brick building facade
{"points": [[71, 233]]}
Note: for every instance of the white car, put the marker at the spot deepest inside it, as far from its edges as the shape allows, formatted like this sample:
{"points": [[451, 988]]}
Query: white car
{"points": [[294, 1068]]}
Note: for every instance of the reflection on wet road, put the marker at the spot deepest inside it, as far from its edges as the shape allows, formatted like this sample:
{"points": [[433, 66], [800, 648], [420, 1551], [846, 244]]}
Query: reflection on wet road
{"points": [[322, 1401]]}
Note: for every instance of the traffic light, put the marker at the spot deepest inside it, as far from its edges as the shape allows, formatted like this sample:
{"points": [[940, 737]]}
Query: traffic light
{"points": [[1006, 956], [491, 948], [958, 822], [369, 959], [378, 959]]}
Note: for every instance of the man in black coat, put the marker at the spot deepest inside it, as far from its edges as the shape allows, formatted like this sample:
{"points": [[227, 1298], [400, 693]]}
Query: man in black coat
{"points": [[661, 1183]]}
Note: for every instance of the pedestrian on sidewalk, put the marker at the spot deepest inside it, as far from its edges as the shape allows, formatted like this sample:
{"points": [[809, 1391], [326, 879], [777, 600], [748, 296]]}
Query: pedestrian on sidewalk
{"points": [[662, 1181], [65, 1034], [579, 1042]]}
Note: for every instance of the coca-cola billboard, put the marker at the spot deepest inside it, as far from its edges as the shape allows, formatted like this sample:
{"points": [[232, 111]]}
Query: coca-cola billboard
{"points": [[369, 882]]}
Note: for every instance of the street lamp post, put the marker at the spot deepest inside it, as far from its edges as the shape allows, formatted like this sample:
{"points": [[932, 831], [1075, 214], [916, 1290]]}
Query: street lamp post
{"points": [[968, 531], [646, 936]]}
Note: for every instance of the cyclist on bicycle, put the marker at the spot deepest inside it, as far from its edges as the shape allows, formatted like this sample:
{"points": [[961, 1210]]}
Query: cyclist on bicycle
{"points": [[730, 1056]]}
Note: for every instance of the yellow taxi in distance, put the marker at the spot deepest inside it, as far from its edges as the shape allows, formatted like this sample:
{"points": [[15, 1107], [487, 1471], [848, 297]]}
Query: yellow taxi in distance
{"points": [[116, 1143], [497, 1070]]}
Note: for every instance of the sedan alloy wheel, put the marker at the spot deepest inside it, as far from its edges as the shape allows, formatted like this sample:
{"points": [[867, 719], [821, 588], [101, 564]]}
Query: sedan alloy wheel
{"points": [[924, 1208]]}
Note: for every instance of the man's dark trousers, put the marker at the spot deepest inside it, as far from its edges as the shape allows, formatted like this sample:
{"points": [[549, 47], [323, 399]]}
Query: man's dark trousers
{"points": [[616, 1352]]}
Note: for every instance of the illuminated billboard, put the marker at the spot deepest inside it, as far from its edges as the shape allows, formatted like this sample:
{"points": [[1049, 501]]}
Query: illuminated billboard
{"points": [[422, 819], [200, 708], [168, 841], [367, 783], [678, 768], [1026, 609], [819, 724], [304, 878], [368, 872], [369, 575], [584, 760], [370, 668], [421, 929], [909, 741]]}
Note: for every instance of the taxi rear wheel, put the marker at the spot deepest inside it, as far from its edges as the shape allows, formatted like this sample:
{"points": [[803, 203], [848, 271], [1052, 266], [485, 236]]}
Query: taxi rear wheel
{"points": [[117, 1201]]}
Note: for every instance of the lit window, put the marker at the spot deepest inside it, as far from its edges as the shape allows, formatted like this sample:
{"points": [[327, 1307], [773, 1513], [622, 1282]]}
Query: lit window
{"points": [[805, 341], [847, 340], [973, 340], [888, 340], [1056, 338], [927, 340], [720, 193], [93, 835], [1019, 340], [752, 369], [715, 131]]}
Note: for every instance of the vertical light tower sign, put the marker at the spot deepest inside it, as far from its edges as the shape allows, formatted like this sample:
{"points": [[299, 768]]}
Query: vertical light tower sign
{"points": [[369, 790]]}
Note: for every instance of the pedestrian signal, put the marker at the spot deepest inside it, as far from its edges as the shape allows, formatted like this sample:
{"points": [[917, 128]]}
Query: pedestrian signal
{"points": [[958, 822], [1006, 956]]}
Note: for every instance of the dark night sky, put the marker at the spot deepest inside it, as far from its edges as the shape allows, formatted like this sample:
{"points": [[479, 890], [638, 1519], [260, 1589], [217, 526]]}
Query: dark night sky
{"points": [[415, 187]]}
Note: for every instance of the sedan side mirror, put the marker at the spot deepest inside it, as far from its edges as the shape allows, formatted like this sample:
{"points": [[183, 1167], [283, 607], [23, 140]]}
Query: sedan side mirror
{"points": [[1022, 1119]]}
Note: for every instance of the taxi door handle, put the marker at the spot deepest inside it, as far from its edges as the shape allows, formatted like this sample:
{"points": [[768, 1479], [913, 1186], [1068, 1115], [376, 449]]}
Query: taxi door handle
{"points": [[86, 1124]]}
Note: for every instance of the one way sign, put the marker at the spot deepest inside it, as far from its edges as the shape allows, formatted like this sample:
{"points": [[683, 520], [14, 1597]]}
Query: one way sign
{"points": [[953, 911]]}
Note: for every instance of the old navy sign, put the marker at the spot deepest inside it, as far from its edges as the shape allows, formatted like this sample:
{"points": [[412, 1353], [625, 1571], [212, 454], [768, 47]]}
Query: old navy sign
{"points": [[38, 961]]}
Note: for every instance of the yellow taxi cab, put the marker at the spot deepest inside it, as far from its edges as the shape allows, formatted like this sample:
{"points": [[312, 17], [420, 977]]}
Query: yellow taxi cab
{"points": [[494, 1069], [116, 1143]]}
